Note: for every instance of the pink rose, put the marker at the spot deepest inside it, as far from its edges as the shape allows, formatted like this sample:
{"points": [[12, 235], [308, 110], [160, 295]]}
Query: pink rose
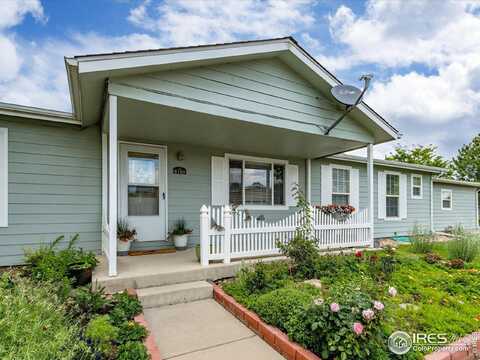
{"points": [[392, 291], [377, 305], [357, 328], [368, 314], [334, 307]]}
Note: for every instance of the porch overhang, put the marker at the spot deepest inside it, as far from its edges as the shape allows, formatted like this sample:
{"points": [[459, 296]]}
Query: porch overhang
{"points": [[89, 74], [158, 124]]}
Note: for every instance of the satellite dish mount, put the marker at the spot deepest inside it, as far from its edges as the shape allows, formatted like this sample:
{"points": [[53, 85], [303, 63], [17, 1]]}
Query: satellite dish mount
{"points": [[350, 96]]}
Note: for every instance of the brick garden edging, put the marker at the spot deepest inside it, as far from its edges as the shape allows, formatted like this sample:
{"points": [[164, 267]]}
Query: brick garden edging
{"points": [[466, 348], [271, 335], [149, 342]]}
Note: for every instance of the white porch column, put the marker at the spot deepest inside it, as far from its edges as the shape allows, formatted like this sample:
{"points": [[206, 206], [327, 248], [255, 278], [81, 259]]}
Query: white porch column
{"points": [[227, 224], [308, 180], [371, 210], [204, 238], [112, 188]]}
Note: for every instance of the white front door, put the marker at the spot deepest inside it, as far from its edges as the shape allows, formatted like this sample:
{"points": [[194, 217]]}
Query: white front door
{"points": [[143, 190]]}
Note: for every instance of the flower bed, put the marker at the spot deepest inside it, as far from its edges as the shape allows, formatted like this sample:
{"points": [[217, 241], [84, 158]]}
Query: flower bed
{"points": [[45, 314], [362, 298]]}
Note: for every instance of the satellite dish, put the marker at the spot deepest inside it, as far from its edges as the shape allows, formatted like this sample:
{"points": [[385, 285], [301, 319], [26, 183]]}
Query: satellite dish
{"points": [[346, 94], [350, 96]]}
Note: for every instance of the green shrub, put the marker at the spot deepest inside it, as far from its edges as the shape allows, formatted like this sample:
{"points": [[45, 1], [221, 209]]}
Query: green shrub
{"points": [[131, 331], [464, 246], [255, 279], [132, 350], [278, 306], [328, 328], [90, 301], [303, 253], [49, 264], [126, 307], [34, 323], [421, 240], [102, 334]]}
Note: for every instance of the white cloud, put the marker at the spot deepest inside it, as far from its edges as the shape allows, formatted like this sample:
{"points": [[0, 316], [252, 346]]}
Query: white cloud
{"points": [[185, 22], [14, 11]]}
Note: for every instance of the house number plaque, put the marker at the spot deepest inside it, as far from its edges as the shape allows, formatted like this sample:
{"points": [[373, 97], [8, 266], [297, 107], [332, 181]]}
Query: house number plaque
{"points": [[178, 170]]}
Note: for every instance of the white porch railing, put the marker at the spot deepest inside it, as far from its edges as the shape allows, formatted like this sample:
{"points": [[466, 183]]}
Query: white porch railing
{"points": [[226, 235]]}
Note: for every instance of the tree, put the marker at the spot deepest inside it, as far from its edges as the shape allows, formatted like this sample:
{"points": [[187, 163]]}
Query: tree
{"points": [[466, 164], [419, 154]]}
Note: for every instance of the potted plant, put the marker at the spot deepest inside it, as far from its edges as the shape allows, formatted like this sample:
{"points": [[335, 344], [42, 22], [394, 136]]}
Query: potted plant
{"points": [[180, 234], [339, 212], [82, 266], [125, 237]]}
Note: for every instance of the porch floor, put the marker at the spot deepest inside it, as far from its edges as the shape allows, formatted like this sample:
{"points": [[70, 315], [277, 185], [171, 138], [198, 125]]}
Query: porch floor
{"points": [[163, 269]]}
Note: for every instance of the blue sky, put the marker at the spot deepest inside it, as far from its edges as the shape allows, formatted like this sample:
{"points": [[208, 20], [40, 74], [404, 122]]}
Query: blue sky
{"points": [[425, 55]]}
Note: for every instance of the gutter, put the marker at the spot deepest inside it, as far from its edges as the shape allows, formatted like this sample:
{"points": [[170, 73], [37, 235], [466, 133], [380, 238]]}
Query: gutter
{"points": [[35, 113]]}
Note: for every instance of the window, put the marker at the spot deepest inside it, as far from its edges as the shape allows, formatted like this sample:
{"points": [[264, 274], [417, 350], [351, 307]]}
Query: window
{"points": [[392, 195], [446, 199], [340, 186], [143, 185], [417, 187], [256, 182]]}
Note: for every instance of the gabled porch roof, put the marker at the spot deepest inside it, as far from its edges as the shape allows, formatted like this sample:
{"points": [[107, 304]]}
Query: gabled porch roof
{"points": [[88, 75]]}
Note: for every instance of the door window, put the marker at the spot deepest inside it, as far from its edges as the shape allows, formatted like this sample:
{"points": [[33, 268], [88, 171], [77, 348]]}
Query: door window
{"points": [[143, 184]]}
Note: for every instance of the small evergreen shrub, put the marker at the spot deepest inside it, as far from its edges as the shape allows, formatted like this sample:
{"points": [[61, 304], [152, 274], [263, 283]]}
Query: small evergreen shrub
{"points": [[126, 307], [421, 240], [303, 253], [102, 334], [89, 301], [132, 350], [278, 306], [131, 331]]}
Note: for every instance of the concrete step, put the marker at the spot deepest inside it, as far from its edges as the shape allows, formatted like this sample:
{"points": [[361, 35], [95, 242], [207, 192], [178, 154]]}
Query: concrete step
{"points": [[174, 294]]}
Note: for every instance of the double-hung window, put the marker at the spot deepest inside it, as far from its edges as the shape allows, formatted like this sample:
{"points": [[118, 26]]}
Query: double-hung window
{"points": [[392, 195], [417, 187], [340, 186], [446, 198], [255, 182]]}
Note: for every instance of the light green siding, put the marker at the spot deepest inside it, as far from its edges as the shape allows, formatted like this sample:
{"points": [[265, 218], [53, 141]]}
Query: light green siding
{"points": [[264, 91], [54, 186], [418, 210], [464, 207], [187, 193]]}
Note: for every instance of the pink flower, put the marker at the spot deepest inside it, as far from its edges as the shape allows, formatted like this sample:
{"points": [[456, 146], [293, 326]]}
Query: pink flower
{"points": [[392, 291], [368, 314], [377, 305], [357, 328], [334, 307]]}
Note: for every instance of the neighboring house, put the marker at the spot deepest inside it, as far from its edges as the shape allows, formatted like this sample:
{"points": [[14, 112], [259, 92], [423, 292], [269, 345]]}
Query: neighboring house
{"points": [[157, 134]]}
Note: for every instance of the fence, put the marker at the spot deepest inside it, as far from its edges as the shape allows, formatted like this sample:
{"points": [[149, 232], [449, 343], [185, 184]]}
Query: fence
{"points": [[227, 234]]}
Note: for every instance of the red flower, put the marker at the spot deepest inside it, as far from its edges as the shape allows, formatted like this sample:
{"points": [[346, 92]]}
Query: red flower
{"points": [[358, 254]]}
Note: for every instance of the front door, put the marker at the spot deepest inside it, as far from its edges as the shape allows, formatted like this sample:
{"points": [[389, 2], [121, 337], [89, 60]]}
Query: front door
{"points": [[143, 190]]}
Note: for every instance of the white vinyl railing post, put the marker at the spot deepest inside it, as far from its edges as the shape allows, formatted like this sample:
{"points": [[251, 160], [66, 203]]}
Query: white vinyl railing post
{"points": [[227, 224], [370, 208], [204, 237]]}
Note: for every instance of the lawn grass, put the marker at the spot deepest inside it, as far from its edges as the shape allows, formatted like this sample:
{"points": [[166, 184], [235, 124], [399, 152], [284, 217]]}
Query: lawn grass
{"points": [[431, 298]]}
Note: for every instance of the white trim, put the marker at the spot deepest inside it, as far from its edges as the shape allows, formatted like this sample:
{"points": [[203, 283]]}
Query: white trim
{"points": [[3, 177], [432, 225], [412, 186], [243, 158], [35, 113], [451, 199]]}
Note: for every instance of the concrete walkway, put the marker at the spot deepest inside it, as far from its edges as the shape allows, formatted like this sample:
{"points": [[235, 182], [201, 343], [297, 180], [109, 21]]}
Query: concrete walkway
{"points": [[204, 330]]}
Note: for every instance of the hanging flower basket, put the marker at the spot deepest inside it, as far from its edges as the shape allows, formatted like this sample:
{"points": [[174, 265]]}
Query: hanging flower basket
{"points": [[339, 212]]}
